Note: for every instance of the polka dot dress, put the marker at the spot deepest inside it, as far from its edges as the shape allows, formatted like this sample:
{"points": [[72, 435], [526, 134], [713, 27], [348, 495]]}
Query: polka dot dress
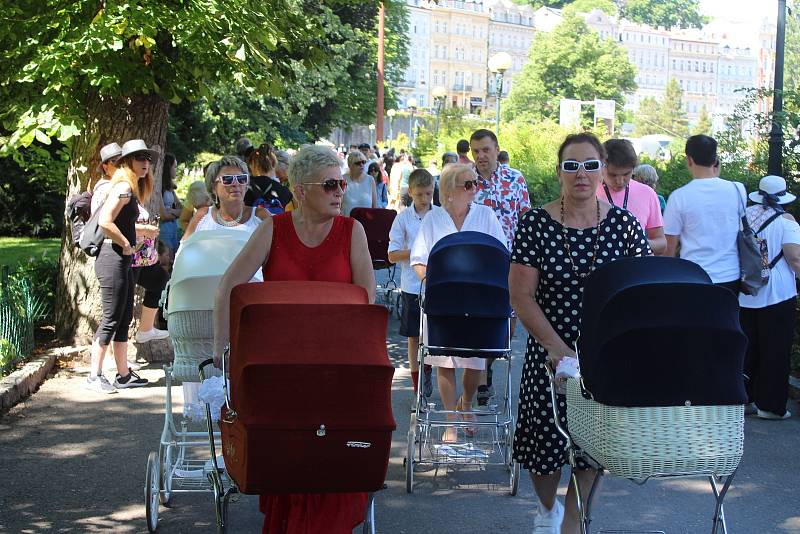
{"points": [[539, 243]]}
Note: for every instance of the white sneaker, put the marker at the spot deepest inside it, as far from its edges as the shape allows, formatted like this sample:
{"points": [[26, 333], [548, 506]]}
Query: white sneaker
{"points": [[763, 414], [99, 384], [548, 521], [151, 335]]}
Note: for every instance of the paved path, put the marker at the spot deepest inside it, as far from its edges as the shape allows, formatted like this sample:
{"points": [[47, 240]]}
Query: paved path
{"points": [[72, 461]]}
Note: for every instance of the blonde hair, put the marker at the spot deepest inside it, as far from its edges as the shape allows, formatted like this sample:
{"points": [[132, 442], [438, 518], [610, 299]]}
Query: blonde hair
{"points": [[141, 187], [447, 180], [197, 194], [309, 161]]}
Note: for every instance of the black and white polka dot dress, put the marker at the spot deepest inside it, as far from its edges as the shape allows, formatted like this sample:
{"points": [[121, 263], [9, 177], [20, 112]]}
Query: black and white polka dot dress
{"points": [[539, 243]]}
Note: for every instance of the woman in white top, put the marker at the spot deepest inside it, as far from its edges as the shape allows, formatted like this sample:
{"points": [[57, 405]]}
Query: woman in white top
{"points": [[361, 191], [768, 317], [458, 185], [226, 182]]}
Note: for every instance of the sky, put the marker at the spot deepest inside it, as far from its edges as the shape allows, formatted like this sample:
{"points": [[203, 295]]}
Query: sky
{"points": [[739, 11]]}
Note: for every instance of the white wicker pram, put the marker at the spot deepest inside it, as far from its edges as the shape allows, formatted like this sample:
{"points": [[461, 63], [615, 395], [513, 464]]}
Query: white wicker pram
{"points": [[647, 413], [203, 259]]}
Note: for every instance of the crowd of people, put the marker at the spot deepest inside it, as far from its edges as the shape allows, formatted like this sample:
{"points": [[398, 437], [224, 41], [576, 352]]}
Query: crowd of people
{"points": [[296, 208]]}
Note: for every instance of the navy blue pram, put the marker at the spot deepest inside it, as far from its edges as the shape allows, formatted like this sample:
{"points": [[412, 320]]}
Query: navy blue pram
{"points": [[466, 313]]}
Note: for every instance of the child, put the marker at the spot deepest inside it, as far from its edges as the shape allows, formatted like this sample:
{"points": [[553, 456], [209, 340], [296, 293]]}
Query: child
{"points": [[401, 238]]}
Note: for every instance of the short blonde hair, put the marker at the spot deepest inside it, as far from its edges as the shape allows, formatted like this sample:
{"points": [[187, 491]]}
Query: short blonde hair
{"points": [[447, 180], [354, 156], [646, 174], [309, 161]]}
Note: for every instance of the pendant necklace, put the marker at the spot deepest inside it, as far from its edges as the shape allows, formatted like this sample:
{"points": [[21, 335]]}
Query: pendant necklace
{"points": [[566, 243]]}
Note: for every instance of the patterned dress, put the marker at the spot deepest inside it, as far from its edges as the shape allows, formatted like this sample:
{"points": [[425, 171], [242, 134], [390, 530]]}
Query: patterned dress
{"points": [[539, 243], [506, 192]]}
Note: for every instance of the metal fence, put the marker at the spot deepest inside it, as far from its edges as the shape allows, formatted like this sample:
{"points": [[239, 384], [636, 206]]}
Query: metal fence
{"points": [[20, 309]]}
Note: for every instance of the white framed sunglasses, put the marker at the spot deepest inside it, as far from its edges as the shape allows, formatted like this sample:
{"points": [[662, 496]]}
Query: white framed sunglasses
{"points": [[229, 179], [590, 165]]}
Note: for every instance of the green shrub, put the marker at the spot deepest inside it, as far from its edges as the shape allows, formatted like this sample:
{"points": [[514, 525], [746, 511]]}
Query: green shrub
{"points": [[20, 309], [40, 275]]}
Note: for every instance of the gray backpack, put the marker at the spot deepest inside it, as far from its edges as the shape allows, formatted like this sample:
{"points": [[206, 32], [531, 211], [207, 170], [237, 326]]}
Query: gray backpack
{"points": [[754, 267]]}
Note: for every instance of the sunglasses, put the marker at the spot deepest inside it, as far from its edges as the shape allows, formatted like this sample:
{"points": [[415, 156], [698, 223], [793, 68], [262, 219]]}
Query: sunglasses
{"points": [[360, 162], [330, 186], [228, 179], [143, 157], [590, 165], [469, 185]]}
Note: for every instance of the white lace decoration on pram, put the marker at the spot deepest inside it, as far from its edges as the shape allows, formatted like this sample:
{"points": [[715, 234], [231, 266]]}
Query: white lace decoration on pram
{"points": [[197, 395]]}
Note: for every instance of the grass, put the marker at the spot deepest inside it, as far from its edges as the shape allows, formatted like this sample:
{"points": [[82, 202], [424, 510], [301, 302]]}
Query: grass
{"points": [[15, 251]]}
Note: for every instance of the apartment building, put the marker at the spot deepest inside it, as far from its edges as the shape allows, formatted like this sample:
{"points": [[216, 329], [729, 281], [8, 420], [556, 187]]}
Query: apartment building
{"points": [[416, 80], [738, 68], [511, 30], [694, 63]]}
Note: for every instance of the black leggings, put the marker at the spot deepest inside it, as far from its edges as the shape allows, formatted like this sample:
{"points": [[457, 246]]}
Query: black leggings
{"points": [[153, 279], [115, 274], [770, 332]]}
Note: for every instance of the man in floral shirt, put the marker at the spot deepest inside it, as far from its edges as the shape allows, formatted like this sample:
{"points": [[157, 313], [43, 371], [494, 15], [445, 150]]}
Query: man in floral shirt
{"points": [[499, 186], [505, 191]]}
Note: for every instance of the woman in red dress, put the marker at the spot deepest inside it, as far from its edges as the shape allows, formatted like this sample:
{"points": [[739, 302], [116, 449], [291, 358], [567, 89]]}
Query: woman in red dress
{"points": [[316, 243]]}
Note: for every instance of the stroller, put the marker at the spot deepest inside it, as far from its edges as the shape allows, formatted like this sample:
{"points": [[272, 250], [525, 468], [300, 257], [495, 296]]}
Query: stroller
{"points": [[674, 409], [465, 312], [377, 223], [321, 440], [189, 305]]}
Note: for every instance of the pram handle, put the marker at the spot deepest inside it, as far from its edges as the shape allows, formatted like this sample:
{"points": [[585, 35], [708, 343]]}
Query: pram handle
{"points": [[203, 365]]}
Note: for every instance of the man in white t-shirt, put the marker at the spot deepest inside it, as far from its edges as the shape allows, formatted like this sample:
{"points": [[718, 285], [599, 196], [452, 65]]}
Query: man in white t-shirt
{"points": [[704, 215]]}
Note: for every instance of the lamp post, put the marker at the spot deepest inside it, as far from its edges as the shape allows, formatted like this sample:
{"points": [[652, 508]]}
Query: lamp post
{"points": [[499, 64], [411, 104], [391, 113], [439, 94], [371, 134], [775, 163]]}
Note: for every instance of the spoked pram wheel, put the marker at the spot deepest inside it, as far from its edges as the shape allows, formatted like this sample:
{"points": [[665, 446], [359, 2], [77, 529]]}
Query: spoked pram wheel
{"points": [[409, 462], [513, 479], [165, 476], [151, 491]]}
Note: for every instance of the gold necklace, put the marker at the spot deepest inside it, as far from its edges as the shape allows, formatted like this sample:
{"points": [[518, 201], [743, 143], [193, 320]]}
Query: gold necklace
{"points": [[566, 242]]}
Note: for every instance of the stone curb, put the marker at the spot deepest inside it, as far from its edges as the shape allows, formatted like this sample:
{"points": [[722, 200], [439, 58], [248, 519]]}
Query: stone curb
{"points": [[24, 382]]}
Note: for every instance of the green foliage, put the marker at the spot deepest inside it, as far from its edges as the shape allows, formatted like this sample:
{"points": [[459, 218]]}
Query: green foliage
{"points": [[569, 62], [703, 125], [791, 64], [59, 54], [17, 251], [586, 6], [32, 191], [665, 116], [425, 149], [667, 13]]}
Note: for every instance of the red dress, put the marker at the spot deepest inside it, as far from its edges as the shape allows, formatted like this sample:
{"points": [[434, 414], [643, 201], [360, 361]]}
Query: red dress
{"points": [[291, 260]]}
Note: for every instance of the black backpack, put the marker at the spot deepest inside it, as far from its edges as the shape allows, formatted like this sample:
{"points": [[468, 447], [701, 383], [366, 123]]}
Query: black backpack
{"points": [[79, 211]]}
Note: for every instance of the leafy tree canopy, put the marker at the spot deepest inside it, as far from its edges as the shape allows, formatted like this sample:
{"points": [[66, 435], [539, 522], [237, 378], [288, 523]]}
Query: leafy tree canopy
{"points": [[667, 13], [58, 53], [665, 116], [570, 62]]}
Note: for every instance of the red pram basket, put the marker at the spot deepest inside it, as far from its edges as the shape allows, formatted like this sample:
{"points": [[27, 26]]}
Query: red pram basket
{"points": [[377, 223], [310, 383]]}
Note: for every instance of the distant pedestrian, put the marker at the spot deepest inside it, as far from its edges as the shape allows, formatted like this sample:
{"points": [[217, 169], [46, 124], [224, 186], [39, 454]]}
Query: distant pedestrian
{"points": [[502, 157], [768, 318], [381, 188], [462, 148], [172, 204], [360, 191], [647, 175], [703, 215]]}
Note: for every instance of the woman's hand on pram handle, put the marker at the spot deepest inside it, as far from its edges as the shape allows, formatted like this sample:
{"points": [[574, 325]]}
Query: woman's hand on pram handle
{"points": [[220, 354], [556, 352]]}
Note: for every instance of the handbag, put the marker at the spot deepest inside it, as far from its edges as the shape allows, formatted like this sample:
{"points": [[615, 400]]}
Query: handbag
{"points": [[145, 253]]}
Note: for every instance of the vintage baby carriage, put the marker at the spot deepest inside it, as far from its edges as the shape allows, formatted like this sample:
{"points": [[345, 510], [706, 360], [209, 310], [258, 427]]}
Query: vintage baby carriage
{"points": [[377, 223], [189, 304], [465, 312], [317, 351], [661, 391]]}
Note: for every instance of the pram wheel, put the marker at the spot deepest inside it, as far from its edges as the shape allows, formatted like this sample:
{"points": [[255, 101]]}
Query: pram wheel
{"points": [[513, 482], [165, 476], [151, 491], [409, 461]]}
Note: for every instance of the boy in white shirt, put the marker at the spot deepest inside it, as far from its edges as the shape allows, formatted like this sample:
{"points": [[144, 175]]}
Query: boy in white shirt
{"points": [[401, 239]]}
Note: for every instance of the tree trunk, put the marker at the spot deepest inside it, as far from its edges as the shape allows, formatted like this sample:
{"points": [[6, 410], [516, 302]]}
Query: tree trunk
{"points": [[108, 120]]}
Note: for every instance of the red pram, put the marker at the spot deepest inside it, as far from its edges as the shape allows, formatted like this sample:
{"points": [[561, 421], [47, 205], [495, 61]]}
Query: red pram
{"points": [[288, 427], [377, 223]]}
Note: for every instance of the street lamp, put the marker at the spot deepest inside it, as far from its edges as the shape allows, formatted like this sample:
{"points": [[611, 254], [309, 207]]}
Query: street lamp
{"points": [[775, 163], [499, 64], [371, 134], [411, 104], [391, 113], [439, 94]]}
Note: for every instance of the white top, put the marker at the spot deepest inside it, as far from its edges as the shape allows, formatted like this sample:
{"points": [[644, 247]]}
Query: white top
{"points": [[781, 285], [705, 213], [438, 224], [401, 237], [358, 194], [209, 222], [99, 193]]}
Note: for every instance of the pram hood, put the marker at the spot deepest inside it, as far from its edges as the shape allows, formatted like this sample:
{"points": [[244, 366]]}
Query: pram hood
{"points": [[467, 276], [204, 257], [657, 332]]}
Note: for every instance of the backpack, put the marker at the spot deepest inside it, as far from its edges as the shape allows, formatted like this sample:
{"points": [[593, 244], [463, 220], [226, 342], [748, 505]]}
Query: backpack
{"points": [[79, 210], [754, 263], [266, 192]]}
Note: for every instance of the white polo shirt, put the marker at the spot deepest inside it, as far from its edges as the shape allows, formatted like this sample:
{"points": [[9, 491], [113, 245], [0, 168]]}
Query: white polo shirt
{"points": [[401, 237], [706, 213]]}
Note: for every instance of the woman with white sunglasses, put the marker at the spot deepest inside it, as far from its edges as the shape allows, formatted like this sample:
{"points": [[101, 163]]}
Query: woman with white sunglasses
{"points": [[555, 248]]}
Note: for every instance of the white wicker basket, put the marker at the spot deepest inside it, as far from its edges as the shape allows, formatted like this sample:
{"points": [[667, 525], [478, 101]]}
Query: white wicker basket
{"points": [[192, 335], [639, 443]]}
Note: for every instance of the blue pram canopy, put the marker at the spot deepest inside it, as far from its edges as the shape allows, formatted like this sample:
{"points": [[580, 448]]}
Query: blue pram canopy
{"points": [[657, 332], [466, 299]]}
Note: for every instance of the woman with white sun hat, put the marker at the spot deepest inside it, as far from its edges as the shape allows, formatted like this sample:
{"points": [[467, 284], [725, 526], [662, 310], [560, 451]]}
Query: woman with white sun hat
{"points": [[768, 317]]}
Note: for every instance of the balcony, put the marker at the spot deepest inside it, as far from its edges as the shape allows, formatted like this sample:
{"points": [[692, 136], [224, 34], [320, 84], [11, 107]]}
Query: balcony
{"points": [[407, 84], [461, 87]]}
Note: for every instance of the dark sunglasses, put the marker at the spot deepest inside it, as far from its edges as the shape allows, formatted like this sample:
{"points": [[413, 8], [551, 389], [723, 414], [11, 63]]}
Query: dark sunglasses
{"points": [[329, 186], [143, 157], [469, 185], [591, 165], [360, 162], [228, 179]]}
